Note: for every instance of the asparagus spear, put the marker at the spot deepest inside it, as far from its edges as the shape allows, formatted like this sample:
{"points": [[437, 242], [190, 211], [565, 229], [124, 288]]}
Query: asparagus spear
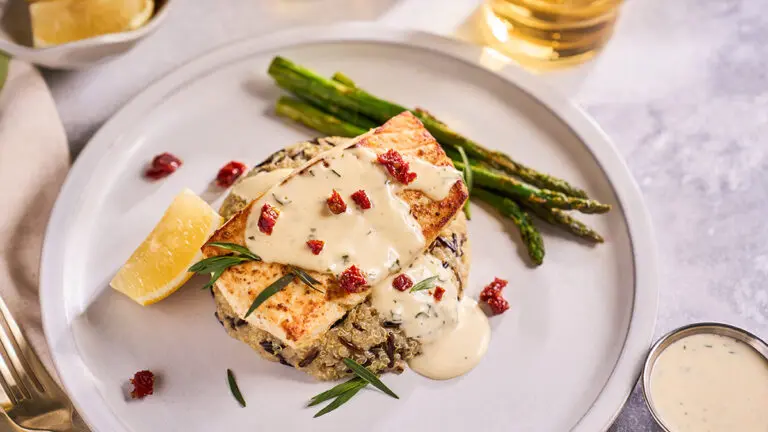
{"points": [[552, 216], [295, 78], [316, 119], [341, 78], [312, 117], [562, 219], [351, 117], [527, 194], [528, 232]]}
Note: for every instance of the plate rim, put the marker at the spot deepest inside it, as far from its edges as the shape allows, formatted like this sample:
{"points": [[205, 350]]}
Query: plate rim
{"points": [[640, 331]]}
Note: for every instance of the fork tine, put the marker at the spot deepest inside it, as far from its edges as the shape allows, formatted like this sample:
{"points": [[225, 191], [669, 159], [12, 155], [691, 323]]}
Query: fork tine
{"points": [[8, 378], [5, 400], [17, 350], [38, 374]]}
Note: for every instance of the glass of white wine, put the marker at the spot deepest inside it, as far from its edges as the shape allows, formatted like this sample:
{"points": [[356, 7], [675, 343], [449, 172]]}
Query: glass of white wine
{"points": [[545, 34]]}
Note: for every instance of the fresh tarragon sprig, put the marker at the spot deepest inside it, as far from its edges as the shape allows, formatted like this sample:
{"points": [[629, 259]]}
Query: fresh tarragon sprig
{"points": [[216, 266], [348, 389], [427, 283]]}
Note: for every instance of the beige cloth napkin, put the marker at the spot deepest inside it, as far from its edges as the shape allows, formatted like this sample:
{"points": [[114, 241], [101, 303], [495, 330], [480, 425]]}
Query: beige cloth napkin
{"points": [[34, 159]]}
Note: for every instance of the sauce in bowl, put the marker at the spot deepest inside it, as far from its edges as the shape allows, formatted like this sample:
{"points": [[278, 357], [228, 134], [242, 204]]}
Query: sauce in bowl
{"points": [[710, 382]]}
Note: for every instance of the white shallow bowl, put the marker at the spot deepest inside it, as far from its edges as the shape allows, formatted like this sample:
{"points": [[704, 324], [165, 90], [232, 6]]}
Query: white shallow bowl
{"points": [[565, 356], [15, 39]]}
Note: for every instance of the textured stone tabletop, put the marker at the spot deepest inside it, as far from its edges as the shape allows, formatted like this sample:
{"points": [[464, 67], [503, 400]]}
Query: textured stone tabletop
{"points": [[682, 90]]}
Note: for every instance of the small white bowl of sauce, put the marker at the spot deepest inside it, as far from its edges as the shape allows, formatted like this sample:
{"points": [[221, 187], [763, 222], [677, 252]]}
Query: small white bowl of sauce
{"points": [[708, 377]]}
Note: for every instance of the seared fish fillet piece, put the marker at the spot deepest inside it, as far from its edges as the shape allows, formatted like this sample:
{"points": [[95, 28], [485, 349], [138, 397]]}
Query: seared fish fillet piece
{"points": [[363, 334], [297, 315]]}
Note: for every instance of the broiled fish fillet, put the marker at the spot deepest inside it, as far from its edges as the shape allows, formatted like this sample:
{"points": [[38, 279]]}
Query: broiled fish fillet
{"points": [[297, 315], [363, 334]]}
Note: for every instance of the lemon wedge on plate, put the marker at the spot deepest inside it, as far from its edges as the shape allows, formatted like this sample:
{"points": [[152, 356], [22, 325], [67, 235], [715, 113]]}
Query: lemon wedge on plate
{"points": [[158, 267], [59, 21]]}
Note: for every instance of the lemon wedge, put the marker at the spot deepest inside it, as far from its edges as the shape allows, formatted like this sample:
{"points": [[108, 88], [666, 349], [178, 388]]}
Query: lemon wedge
{"points": [[158, 267], [59, 21]]}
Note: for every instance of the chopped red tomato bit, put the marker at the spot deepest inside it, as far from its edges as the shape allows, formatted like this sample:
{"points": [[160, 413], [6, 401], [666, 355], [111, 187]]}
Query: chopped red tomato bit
{"points": [[162, 165], [491, 295], [143, 384], [438, 295], [498, 304], [316, 246], [402, 282], [397, 166], [361, 199], [229, 173], [336, 204], [352, 280], [268, 218]]}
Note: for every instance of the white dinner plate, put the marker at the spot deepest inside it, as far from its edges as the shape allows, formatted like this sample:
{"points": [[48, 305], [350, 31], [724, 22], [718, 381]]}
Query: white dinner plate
{"points": [[565, 356]]}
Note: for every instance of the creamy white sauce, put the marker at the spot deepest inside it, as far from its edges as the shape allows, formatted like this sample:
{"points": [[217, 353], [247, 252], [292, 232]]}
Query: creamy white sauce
{"points": [[381, 241], [459, 350], [454, 334], [707, 382], [376, 240], [253, 187], [433, 181], [418, 313]]}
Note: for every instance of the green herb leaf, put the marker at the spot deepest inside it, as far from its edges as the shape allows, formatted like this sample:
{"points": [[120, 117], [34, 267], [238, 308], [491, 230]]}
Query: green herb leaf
{"points": [[214, 277], [210, 265], [234, 388], [467, 168], [338, 390], [215, 266], [306, 278], [269, 292], [467, 174], [242, 250], [339, 401], [369, 376], [425, 284]]}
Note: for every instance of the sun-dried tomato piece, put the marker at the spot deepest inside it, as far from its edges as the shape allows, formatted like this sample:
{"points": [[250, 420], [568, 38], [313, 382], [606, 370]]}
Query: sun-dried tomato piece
{"points": [[268, 218], [316, 246], [143, 384], [352, 280], [397, 167], [497, 304], [336, 204], [402, 282], [491, 295], [162, 165], [493, 289], [361, 199], [229, 173], [438, 295]]}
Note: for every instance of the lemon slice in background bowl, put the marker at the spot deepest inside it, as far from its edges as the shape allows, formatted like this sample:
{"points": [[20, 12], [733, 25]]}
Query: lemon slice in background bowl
{"points": [[56, 22], [158, 267]]}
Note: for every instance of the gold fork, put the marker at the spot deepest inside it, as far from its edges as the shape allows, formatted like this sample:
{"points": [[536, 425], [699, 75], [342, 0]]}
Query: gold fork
{"points": [[32, 399]]}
